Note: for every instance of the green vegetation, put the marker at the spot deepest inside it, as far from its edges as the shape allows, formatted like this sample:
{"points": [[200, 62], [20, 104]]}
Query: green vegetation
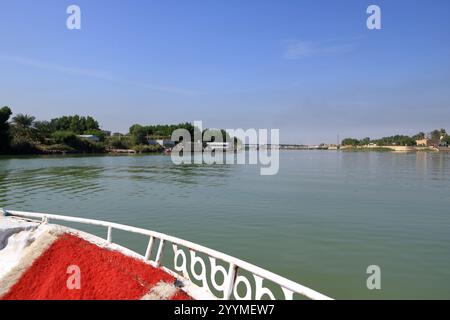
{"points": [[75, 124], [141, 134], [22, 134], [120, 142], [142, 148], [400, 140], [5, 138], [436, 135], [419, 136], [350, 142], [397, 140], [446, 140]]}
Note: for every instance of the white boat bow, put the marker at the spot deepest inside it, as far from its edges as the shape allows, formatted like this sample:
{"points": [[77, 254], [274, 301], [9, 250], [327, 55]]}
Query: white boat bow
{"points": [[197, 267]]}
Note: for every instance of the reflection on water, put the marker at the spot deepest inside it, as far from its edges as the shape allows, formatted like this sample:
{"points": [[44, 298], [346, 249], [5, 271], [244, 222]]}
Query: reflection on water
{"points": [[321, 221], [72, 181], [23, 180]]}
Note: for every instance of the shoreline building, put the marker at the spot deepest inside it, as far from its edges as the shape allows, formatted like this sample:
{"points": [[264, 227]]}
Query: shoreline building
{"points": [[89, 137], [424, 142]]}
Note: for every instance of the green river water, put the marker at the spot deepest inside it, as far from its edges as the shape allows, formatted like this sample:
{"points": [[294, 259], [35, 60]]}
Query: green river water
{"points": [[321, 221]]}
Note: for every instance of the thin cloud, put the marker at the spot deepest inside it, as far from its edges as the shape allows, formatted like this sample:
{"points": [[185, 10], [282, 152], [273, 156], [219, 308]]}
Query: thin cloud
{"points": [[94, 74], [297, 49]]}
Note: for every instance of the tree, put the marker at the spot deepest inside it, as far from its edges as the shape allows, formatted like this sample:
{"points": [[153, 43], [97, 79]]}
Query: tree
{"points": [[446, 140], [65, 137], [91, 124], [365, 141], [435, 136], [5, 138], [397, 140], [138, 134], [23, 133], [43, 130], [70, 139], [350, 142], [419, 136], [75, 123], [24, 120], [119, 142]]}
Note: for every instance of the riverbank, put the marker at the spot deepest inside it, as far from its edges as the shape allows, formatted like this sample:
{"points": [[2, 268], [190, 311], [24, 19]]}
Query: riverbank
{"points": [[67, 150], [147, 149], [393, 149]]}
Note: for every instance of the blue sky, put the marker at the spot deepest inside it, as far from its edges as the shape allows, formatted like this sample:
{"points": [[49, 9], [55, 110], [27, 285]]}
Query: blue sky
{"points": [[310, 68]]}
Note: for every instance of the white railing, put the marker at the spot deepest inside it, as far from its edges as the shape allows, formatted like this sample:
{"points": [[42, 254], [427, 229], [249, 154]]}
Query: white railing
{"points": [[231, 277]]}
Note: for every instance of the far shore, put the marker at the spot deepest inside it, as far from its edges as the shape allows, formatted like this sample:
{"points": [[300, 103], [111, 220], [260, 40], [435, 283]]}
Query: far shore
{"points": [[395, 149], [125, 152]]}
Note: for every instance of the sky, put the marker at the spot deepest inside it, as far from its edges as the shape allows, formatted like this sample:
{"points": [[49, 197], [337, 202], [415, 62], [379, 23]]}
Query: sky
{"points": [[309, 68]]}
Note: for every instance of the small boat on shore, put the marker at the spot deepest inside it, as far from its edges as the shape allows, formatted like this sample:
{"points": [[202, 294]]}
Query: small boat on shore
{"points": [[41, 260]]}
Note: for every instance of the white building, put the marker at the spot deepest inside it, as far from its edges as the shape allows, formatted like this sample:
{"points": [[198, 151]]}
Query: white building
{"points": [[89, 137]]}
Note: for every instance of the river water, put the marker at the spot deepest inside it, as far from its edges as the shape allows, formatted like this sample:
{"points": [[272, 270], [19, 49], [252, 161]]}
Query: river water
{"points": [[321, 221]]}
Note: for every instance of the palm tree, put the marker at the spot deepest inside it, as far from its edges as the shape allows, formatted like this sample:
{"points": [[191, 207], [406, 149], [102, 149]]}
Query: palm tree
{"points": [[23, 129], [23, 120]]}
